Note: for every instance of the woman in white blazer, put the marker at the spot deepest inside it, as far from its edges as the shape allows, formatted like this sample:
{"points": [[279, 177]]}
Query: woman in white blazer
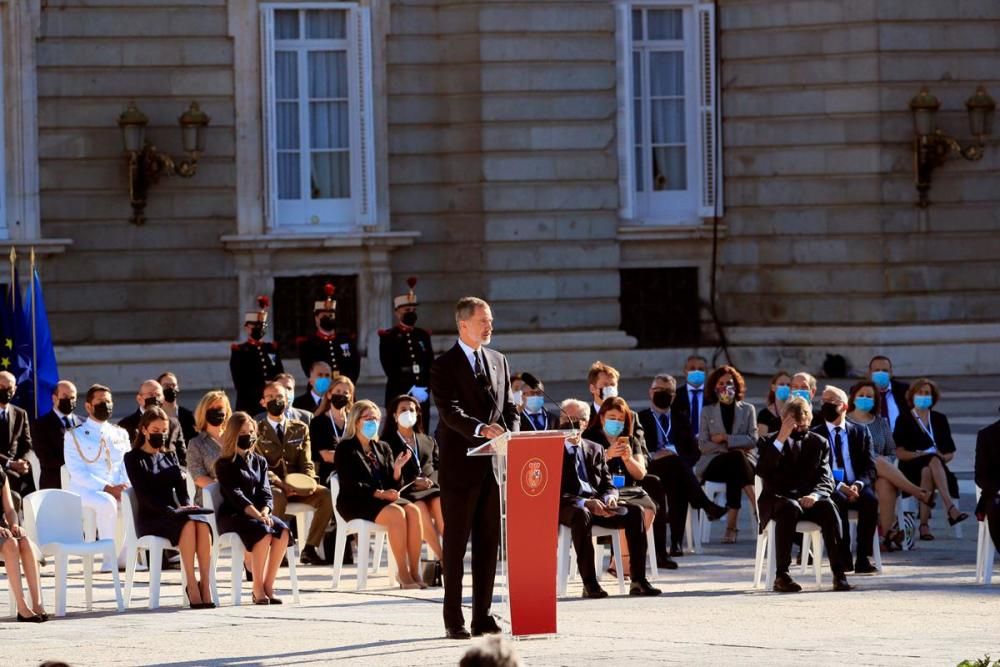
{"points": [[727, 439]]}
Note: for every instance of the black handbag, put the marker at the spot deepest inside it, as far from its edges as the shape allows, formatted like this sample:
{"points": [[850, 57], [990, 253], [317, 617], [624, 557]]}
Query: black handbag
{"points": [[431, 572]]}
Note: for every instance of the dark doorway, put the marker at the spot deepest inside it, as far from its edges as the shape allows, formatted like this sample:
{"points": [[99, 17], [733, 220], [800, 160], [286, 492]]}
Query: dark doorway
{"points": [[660, 307], [294, 297]]}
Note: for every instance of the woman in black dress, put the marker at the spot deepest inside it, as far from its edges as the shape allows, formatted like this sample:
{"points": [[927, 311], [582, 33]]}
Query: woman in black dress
{"points": [[17, 553], [247, 505], [403, 431], [627, 458], [924, 446], [327, 427], [370, 477], [156, 476]]}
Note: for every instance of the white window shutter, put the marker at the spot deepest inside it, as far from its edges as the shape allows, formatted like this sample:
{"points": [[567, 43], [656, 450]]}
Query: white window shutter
{"points": [[710, 197], [626, 140], [363, 169]]}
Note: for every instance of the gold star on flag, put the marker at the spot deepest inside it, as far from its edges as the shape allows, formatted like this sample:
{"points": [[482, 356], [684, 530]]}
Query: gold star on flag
{"points": [[5, 362], [8, 343]]}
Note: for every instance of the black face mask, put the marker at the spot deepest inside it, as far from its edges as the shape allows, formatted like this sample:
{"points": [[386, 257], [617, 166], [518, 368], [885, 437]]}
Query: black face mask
{"points": [[170, 394], [102, 411], [663, 399], [153, 402], [829, 411], [257, 332], [157, 440], [327, 323], [215, 416], [339, 401], [276, 407], [798, 435], [66, 405], [409, 318], [5, 396], [245, 441]]}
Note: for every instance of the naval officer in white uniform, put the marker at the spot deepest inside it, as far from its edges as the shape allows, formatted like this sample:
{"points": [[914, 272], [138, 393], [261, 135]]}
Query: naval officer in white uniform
{"points": [[94, 453]]}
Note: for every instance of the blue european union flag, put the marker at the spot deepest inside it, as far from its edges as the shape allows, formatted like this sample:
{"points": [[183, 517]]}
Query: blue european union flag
{"points": [[42, 352]]}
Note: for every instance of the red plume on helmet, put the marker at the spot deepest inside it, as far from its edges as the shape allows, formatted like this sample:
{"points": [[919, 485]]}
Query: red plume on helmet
{"points": [[329, 288], [263, 302], [411, 281]]}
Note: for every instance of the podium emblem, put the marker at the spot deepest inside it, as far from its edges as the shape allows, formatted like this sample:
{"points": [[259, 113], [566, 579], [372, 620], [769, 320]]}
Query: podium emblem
{"points": [[534, 477]]}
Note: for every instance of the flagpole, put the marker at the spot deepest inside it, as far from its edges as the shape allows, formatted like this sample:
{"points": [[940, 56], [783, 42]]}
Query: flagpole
{"points": [[10, 292], [34, 334]]}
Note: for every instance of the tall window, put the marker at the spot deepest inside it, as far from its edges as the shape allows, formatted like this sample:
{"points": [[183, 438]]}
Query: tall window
{"points": [[318, 113], [668, 111], [4, 227]]}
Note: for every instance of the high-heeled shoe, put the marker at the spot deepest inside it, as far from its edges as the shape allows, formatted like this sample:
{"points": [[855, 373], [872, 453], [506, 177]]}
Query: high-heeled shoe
{"points": [[410, 586], [962, 516], [34, 618], [931, 504], [256, 600], [41, 614]]}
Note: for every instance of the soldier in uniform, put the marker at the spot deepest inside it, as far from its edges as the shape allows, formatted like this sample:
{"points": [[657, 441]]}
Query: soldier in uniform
{"points": [[94, 454], [406, 354], [336, 348], [255, 361]]}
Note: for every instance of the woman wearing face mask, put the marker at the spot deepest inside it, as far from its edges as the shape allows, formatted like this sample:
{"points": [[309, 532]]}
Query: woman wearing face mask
{"points": [[404, 432], [863, 407], [204, 449], [247, 505], [769, 419], [327, 427], [627, 457], [161, 490], [924, 446], [370, 479], [728, 442]]}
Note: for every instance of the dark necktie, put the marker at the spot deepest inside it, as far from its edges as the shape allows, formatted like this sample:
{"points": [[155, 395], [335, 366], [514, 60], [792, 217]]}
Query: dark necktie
{"points": [[884, 404], [66, 422], [280, 430], [538, 420], [837, 451], [581, 473], [664, 429], [695, 411]]}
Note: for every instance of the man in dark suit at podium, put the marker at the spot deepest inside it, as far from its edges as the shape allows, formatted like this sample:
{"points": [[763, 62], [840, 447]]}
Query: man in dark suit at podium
{"points": [[471, 388]]}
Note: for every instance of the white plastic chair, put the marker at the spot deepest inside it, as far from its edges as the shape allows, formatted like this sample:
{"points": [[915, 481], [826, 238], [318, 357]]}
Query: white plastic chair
{"points": [[566, 567], [811, 537], [211, 498], [133, 543], [692, 530], [303, 514], [364, 530], [36, 467], [89, 519], [715, 491], [52, 519], [852, 522], [191, 488], [985, 550]]}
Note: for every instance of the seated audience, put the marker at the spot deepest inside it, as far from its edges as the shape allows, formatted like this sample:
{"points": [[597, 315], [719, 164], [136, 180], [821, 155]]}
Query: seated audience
{"points": [[17, 553], [891, 391], [171, 392], [690, 398], [161, 491], [853, 467], [988, 478], [203, 450], [48, 434], [15, 441], [534, 416], [319, 382], [370, 479], [287, 381], [151, 395], [589, 498], [924, 446], [728, 442], [794, 466], [769, 419], [327, 427], [673, 453], [247, 505]]}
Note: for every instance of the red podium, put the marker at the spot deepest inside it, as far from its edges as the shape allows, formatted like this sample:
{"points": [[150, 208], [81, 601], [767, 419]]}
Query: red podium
{"points": [[528, 468]]}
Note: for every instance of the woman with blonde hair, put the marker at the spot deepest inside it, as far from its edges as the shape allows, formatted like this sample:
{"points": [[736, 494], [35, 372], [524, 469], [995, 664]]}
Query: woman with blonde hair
{"points": [[203, 450]]}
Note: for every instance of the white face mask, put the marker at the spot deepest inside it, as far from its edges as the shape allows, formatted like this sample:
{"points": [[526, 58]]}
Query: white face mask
{"points": [[611, 391], [516, 397], [407, 418]]}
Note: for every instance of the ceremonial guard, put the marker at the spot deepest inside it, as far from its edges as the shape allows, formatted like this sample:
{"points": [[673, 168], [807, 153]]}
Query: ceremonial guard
{"points": [[406, 354], [255, 361], [327, 344]]}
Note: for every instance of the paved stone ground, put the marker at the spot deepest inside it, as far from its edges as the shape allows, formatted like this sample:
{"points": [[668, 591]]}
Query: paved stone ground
{"points": [[925, 610]]}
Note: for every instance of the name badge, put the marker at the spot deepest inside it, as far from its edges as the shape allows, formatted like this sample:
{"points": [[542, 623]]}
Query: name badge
{"points": [[838, 476], [618, 481]]}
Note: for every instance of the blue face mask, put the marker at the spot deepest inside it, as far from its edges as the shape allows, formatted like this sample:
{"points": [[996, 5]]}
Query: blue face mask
{"points": [[864, 403], [881, 378], [802, 393], [369, 428], [782, 392], [321, 385], [534, 403], [923, 402], [614, 427], [696, 378]]}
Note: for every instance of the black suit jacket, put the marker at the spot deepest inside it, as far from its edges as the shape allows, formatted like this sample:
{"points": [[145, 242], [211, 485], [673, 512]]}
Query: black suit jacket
{"points": [[322, 436], [16, 441], [680, 435], [988, 464], [551, 422], [796, 471], [463, 404], [859, 443], [598, 474], [48, 434], [175, 434], [899, 390], [425, 466], [186, 419], [910, 436], [359, 480], [305, 402]]}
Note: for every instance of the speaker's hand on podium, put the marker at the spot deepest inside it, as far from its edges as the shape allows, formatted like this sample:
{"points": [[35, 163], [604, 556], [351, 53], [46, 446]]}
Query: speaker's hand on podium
{"points": [[491, 431]]}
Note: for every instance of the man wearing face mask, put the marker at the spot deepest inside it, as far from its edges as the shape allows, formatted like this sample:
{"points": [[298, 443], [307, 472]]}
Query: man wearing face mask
{"points": [[690, 398], [255, 361], [534, 416], [327, 344], [853, 467], [406, 354], [171, 392], [803, 385], [48, 434], [151, 395], [287, 380], [319, 383], [15, 440], [673, 452], [94, 454], [893, 392], [794, 465], [285, 444]]}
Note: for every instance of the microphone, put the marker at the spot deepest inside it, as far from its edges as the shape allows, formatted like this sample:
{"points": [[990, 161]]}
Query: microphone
{"points": [[536, 385]]}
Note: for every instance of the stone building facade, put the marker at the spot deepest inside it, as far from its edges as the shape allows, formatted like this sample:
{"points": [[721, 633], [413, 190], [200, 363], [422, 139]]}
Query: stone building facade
{"points": [[581, 164]]}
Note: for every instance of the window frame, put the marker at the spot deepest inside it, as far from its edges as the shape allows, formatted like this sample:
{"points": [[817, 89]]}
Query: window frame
{"points": [[358, 211], [702, 198]]}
